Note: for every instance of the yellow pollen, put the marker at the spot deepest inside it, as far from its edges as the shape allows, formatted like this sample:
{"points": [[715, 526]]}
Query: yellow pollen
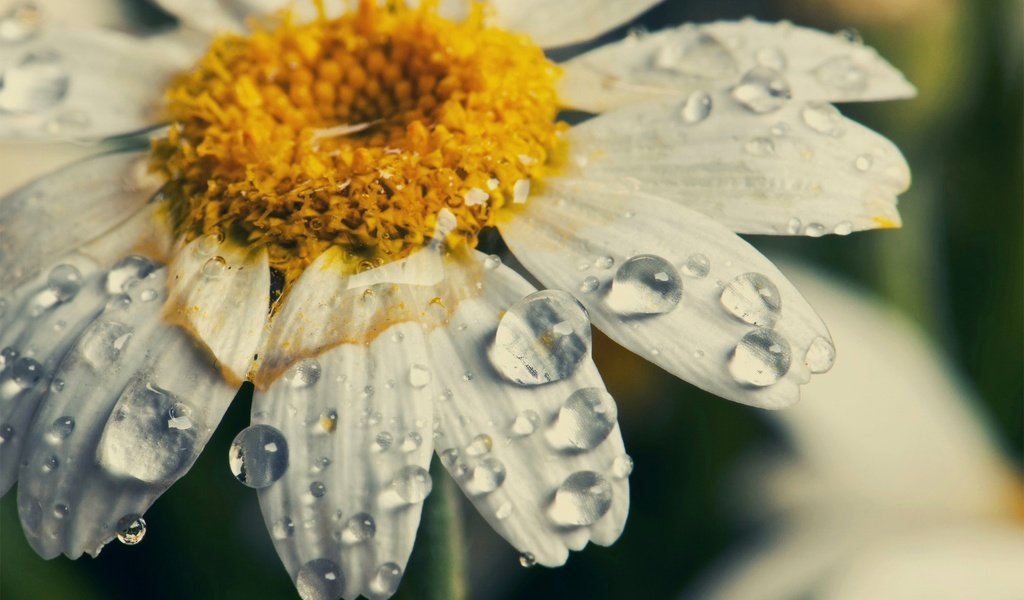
{"points": [[356, 133]]}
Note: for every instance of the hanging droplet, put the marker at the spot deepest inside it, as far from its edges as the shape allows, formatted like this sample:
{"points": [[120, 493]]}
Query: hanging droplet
{"points": [[412, 484], [760, 359], [753, 298], [586, 418], [320, 579], [492, 262], [359, 528], [542, 338], [645, 285], [36, 81], [696, 108], [622, 466], [385, 581], [65, 281], [131, 529], [525, 423], [815, 230], [581, 500], [823, 118], [258, 456], [842, 73], [851, 36], [703, 56], [821, 355], [61, 429], [303, 375], [762, 90], [843, 228], [697, 266], [527, 560]]}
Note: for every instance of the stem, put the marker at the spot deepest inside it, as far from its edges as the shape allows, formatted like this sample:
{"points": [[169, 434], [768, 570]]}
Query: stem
{"points": [[437, 568]]}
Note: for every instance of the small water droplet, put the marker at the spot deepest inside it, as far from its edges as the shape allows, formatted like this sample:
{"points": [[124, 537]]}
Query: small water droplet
{"points": [[7, 357], [696, 108], [382, 441], [61, 428], [527, 560], [793, 226], [60, 511], [215, 267], [65, 281], [492, 262], [814, 230], [697, 266], [863, 162], [320, 579], [127, 271], [412, 484], [703, 56], [586, 418], [412, 441], [843, 74], [526, 348], [34, 82], [590, 284], [479, 445], [762, 90], [645, 285], [843, 228], [359, 528], [317, 489], [821, 355], [582, 499], [419, 376], [525, 423], [622, 466], [486, 476], [208, 244], [6, 433], [50, 464], [385, 581], [504, 511], [148, 295], [760, 359], [760, 146], [823, 118], [258, 456], [850, 35], [753, 298], [771, 57], [131, 529], [283, 529], [305, 374], [26, 372], [179, 416]]}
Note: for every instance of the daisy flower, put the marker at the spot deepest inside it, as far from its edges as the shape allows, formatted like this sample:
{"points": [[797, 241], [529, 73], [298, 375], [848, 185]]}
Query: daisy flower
{"points": [[306, 219]]}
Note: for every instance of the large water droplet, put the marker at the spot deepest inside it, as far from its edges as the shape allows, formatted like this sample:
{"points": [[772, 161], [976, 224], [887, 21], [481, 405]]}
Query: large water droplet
{"points": [[385, 581], [486, 476], [61, 428], [542, 338], [843, 74], [696, 108], [131, 529], [258, 456], [582, 499], [753, 298], [703, 56], [823, 118], [320, 579], [34, 82], [26, 372], [128, 270], [412, 484], [645, 285], [821, 355], [359, 528], [762, 90], [586, 418], [760, 359], [20, 23], [305, 374], [65, 281]]}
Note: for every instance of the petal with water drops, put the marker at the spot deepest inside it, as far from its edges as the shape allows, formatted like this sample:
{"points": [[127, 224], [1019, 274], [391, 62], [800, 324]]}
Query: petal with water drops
{"points": [[800, 168], [74, 82], [341, 462], [728, 321], [714, 57], [63, 210], [221, 293], [554, 24], [143, 398], [542, 463]]}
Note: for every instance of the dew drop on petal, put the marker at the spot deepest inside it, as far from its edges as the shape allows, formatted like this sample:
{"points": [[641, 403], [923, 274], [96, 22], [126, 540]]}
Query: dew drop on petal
{"points": [[34, 82], [492, 262], [822, 118], [6, 434], [359, 528], [771, 57], [411, 442], [317, 489], [760, 359], [843, 228], [590, 284], [863, 162], [645, 285], [214, 268], [320, 579], [504, 511], [479, 445], [842, 73], [419, 376], [586, 418], [383, 441], [61, 428], [542, 338], [821, 355], [65, 281], [131, 529], [128, 270], [283, 529], [385, 581], [622, 466], [753, 298], [697, 266], [50, 464], [814, 230], [305, 374], [60, 511], [525, 423], [762, 90], [760, 146], [696, 108], [851, 36], [486, 476], [26, 372], [582, 499], [258, 456], [703, 56], [527, 560], [412, 484]]}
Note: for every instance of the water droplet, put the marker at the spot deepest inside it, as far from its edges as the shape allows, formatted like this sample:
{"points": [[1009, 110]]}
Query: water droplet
{"points": [[26, 372], [385, 581], [179, 416], [320, 579], [586, 418], [412, 484], [697, 266], [131, 529], [283, 529], [359, 528], [6, 433], [521, 191], [703, 56], [486, 476], [645, 285], [760, 146], [843, 74], [528, 350], [863, 162], [258, 456], [850, 35], [821, 355], [823, 118], [128, 270], [504, 511], [317, 489], [526, 423], [760, 359], [50, 464], [622, 466], [771, 57], [527, 560], [382, 441], [60, 511], [843, 228], [590, 284], [479, 445], [492, 262], [215, 267], [412, 441], [148, 295], [61, 428], [696, 108], [65, 281], [7, 357], [34, 82], [814, 230], [20, 23], [582, 499], [762, 90], [753, 298], [793, 226], [305, 374]]}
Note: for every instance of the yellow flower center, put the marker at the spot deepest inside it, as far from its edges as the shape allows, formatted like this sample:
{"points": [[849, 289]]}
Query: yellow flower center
{"points": [[356, 133]]}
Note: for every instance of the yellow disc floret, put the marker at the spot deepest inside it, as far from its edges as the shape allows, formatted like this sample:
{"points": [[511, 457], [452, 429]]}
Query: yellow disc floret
{"points": [[357, 132]]}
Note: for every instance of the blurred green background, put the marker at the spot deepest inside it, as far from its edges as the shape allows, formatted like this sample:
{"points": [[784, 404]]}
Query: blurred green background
{"points": [[955, 267]]}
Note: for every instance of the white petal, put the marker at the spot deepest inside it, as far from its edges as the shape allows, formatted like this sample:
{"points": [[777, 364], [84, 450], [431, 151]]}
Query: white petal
{"points": [[553, 24], [38, 324], [211, 17], [59, 212], [221, 293], [577, 236], [358, 443], [505, 446], [801, 169], [144, 400], [79, 83], [713, 57]]}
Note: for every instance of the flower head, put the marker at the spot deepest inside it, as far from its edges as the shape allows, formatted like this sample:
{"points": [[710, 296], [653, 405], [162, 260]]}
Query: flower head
{"points": [[307, 221]]}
